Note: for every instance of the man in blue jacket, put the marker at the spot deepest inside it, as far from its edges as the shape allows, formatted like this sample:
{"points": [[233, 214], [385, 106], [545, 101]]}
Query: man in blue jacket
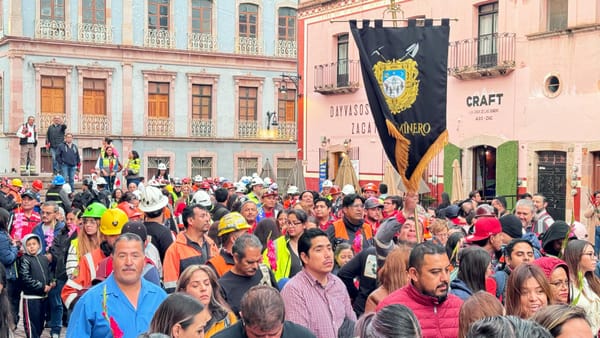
{"points": [[123, 304], [68, 158]]}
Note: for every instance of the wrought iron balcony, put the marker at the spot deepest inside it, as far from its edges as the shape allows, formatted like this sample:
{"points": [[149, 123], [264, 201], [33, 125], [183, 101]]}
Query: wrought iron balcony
{"points": [[248, 129], [159, 38], [53, 30], [486, 56], [337, 77], [203, 128], [202, 42], [248, 46], [95, 125], [286, 48], [94, 33], [45, 120], [160, 127]]}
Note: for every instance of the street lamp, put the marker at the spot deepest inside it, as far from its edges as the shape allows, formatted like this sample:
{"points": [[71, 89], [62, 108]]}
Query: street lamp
{"points": [[292, 78], [271, 119]]}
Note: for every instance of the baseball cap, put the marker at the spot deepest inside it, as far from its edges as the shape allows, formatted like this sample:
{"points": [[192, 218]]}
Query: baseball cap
{"points": [[28, 193], [484, 210], [484, 228], [373, 202], [135, 227]]}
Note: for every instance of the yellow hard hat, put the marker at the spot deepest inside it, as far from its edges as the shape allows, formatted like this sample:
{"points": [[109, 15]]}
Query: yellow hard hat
{"points": [[231, 222], [112, 221], [16, 182]]}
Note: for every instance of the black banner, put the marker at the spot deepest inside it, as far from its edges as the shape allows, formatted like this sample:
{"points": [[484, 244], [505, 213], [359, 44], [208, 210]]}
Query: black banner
{"points": [[405, 76]]}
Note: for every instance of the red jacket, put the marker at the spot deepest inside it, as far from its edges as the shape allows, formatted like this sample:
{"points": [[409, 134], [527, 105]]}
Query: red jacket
{"points": [[437, 320]]}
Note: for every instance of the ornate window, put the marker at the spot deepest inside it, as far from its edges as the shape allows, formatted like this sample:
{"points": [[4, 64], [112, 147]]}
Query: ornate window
{"points": [[94, 12], [286, 28], [286, 105], [53, 95], [52, 10], [202, 166], [202, 16], [158, 14], [248, 21], [248, 103], [247, 166], [285, 166], [158, 99]]}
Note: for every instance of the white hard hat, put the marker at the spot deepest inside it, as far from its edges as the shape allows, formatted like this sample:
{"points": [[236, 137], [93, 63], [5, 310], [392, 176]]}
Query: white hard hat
{"points": [[198, 178], [100, 181], [240, 188], [202, 198], [154, 183], [162, 166], [267, 182], [348, 189], [67, 188], [256, 181], [327, 184], [152, 199], [293, 190]]}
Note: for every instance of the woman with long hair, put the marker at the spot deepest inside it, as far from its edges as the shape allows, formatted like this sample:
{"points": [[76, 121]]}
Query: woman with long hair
{"points": [[584, 284], [527, 291], [392, 276], [200, 281], [179, 315], [88, 239], [132, 168], [392, 321], [480, 305], [282, 257], [341, 256], [473, 269], [107, 166]]}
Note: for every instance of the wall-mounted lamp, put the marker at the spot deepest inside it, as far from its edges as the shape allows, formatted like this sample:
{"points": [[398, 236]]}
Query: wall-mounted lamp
{"points": [[347, 142], [271, 119], [324, 141], [285, 77]]}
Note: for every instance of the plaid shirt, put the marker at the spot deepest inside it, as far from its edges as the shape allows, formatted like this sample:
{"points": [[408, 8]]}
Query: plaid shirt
{"points": [[319, 308]]}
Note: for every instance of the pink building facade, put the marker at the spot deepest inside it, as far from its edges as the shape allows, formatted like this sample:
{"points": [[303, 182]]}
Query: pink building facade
{"points": [[523, 92]]}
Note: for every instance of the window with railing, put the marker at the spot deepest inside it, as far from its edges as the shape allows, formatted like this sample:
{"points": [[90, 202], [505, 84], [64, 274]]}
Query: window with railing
{"points": [[152, 165], [94, 12], [202, 166], [248, 21], [52, 10], [94, 97], [158, 99], [52, 95], [201, 16], [51, 24], [286, 106], [202, 124], [247, 166], [286, 32], [557, 15], [285, 166], [342, 60], [488, 29], [158, 14]]}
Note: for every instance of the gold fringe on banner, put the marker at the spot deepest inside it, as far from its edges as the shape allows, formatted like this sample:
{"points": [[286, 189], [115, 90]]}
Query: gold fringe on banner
{"points": [[401, 149], [434, 149]]}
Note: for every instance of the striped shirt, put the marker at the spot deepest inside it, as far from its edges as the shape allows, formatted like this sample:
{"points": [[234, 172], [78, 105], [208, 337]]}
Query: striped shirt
{"points": [[320, 308]]}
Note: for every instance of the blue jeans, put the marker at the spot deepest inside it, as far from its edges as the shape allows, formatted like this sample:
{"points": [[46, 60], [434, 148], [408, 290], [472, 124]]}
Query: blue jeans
{"points": [[55, 165], [597, 240], [56, 307], [69, 173]]}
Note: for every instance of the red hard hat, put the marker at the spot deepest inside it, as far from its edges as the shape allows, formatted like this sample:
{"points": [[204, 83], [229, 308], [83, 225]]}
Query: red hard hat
{"points": [[37, 184], [205, 185], [227, 185], [334, 190]]}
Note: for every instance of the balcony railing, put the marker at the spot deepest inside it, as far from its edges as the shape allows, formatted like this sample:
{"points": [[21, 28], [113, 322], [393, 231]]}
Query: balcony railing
{"points": [[337, 77], [53, 30], [285, 48], [202, 128], [159, 38], [487, 55], [286, 130], [94, 33], [202, 42], [95, 125], [160, 127], [248, 46], [247, 129], [45, 120]]}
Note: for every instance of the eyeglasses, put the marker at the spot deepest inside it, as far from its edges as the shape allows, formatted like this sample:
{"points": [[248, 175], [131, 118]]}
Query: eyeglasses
{"points": [[296, 223], [560, 283], [591, 254], [357, 206]]}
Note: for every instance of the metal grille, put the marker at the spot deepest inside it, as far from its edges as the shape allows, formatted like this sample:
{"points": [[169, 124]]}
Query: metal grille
{"points": [[284, 169], [202, 166], [247, 166]]}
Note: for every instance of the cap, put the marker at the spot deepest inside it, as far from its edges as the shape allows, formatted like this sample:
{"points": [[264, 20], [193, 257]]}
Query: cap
{"points": [[269, 192], [28, 193], [580, 231], [485, 210], [373, 202], [512, 226], [451, 211], [135, 227], [484, 228]]}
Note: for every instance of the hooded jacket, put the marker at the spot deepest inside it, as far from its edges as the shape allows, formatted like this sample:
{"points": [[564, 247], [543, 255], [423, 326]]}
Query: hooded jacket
{"points": [[557, 231], [460, 289], [34, 271]]}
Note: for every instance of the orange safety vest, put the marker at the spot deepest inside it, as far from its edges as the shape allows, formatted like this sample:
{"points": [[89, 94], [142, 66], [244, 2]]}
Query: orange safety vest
{"points": [[341, 232], [219, 264]]}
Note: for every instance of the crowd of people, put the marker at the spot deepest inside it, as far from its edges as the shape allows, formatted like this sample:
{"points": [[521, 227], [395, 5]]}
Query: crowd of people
{"points": [[200, 257]]}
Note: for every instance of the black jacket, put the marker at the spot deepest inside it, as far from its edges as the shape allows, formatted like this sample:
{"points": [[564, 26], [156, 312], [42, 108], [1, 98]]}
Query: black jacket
{"points": [[56, 134], [34, 273], [7, 201], [68, 155], [59, 250], [364, 267]]}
